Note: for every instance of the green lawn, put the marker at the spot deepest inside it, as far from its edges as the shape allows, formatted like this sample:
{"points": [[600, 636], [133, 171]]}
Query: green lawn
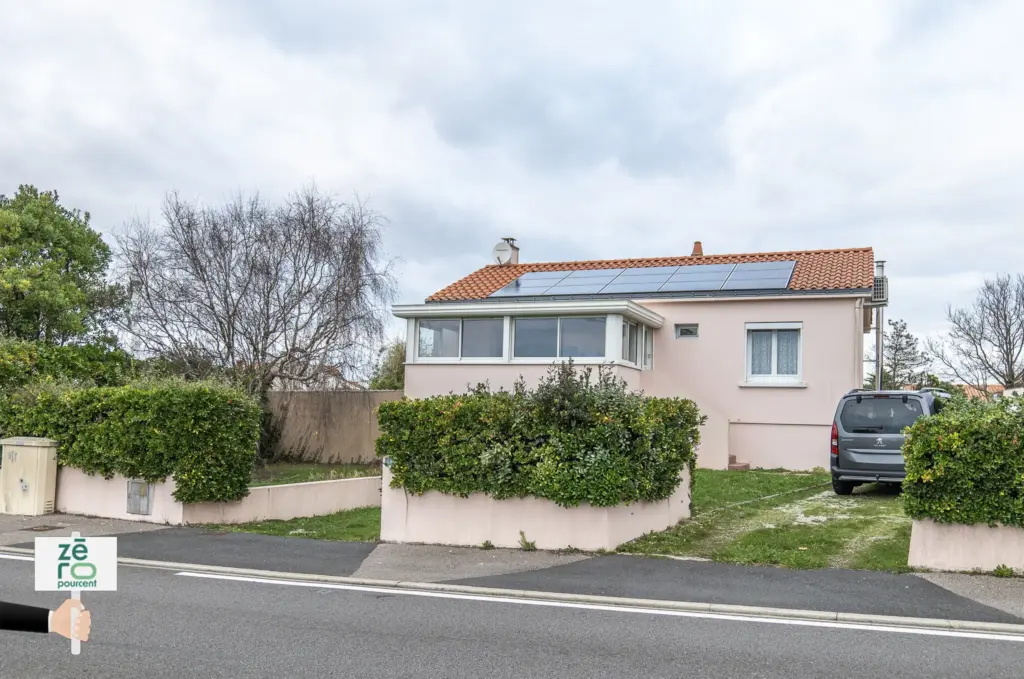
{"points": [[354, 525], [302, 472], [755, 517], [786, 519]]}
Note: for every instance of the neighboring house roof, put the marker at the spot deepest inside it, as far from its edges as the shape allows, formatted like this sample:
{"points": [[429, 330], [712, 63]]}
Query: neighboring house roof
{"points": [[815, 270]]}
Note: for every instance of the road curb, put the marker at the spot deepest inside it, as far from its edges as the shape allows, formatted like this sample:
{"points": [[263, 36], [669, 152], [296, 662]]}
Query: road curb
{"points": [[620, 602]]}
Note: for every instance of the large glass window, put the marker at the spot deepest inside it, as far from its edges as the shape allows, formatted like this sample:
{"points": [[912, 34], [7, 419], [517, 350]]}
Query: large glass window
{"points": [[536, 338], [482, 337], [439, 338], [570, 337], [465, 338], [773, 352], [582, 337]]}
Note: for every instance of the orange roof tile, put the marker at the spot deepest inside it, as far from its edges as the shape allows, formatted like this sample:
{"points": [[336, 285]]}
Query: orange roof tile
{"points": [[848, 269]]}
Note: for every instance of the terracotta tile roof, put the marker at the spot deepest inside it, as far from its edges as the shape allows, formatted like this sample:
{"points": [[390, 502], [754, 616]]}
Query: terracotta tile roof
{"points": [[815, 270]]}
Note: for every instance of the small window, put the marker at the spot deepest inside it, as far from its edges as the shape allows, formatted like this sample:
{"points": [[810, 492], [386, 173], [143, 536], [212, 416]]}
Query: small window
{"points": [[630, 341], [774, 352], [648, 348], [686, 329]]}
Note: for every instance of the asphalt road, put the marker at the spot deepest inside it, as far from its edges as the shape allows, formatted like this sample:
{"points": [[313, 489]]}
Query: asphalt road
{"points": [[161, 624], [616, 575]]}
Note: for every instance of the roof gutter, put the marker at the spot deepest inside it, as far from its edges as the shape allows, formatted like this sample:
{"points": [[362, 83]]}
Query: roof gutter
{"points": [[696, 296], [520, 307]]}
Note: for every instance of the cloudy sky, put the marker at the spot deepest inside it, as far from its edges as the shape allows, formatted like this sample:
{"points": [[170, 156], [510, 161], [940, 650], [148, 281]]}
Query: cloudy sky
{"points": [[585, 133]]}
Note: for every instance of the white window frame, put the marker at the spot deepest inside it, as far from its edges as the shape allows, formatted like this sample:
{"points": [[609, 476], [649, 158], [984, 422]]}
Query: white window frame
{"points": [[773, 380], [646, 362], [558, 341], [460, 359]]}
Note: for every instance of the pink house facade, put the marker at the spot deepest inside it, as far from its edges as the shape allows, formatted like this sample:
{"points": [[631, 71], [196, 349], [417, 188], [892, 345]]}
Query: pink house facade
{"points": [[765, 344]]}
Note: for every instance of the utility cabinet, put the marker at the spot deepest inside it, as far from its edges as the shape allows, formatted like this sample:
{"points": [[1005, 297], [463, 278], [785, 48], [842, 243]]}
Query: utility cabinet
{"points": [[28, 477]]}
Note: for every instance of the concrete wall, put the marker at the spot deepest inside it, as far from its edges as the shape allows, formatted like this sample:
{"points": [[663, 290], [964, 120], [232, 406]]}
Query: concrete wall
{"points": [[80, 493], [956, 547], [436, 518], [288, 501], [768, 426], [328, 426]]}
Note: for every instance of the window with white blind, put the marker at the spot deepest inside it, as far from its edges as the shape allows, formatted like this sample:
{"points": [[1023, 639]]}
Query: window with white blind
{"points": [[774, 353]]}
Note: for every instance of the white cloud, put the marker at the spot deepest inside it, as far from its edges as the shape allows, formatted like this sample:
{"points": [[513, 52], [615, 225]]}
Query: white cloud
{"points": [[629, 131]]}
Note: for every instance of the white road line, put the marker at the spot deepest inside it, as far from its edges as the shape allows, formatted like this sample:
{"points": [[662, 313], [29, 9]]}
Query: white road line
{"points": [[16, 557], [614, 609]]}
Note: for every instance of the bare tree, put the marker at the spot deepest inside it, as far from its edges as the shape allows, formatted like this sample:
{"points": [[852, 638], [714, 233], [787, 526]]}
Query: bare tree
{"points": [[265, 294], [986, 340], [903, 362]]}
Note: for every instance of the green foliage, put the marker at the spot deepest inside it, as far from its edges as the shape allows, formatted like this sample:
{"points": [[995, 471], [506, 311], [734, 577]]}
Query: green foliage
{"points": [[204, 434], [1003, 571], [52, 270], [389, 373], [966, 464], [23, 362], [526, 545], [570, 440]]}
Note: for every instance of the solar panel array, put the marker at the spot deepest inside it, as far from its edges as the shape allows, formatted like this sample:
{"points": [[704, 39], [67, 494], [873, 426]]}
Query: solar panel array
{"points": [[653, 279]]}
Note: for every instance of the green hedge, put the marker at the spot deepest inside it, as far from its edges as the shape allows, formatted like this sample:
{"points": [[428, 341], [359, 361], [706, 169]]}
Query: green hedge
{"points": [[204, 434], [570, 440], [22, 363], [966, 464]]}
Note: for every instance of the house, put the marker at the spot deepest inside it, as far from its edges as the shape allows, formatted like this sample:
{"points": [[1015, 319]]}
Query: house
{"points": [[764, 343]]}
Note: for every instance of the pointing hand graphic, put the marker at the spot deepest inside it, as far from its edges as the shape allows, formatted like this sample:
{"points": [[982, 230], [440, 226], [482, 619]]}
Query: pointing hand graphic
{"points": [[60, 623]]}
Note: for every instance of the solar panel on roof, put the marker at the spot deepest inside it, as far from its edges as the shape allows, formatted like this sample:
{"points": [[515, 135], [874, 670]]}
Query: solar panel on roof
{"points": [[691, 285], [595, 273], [701, 268], [581, 289], [544, 275], [649, 270], [756, 284], [619, 287]]}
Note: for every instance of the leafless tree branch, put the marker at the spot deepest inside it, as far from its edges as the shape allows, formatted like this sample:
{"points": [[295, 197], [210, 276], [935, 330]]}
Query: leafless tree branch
{"points": [[985, 342], [295, 293]]}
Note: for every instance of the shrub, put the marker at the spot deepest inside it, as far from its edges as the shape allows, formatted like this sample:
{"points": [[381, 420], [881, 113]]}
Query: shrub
{"points": [[570, 440], [23, 362], [966, 464], [204, 434]]}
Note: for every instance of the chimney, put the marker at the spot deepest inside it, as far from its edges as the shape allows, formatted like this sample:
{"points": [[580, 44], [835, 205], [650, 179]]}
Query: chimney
{"points": [[515, 250], [698, 251]]}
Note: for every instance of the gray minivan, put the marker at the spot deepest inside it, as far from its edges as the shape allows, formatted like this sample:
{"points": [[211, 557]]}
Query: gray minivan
{"points": [[867, 434]]}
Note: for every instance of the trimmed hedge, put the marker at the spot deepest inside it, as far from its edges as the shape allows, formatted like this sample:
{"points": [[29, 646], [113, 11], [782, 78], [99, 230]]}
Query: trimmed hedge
{"points": [[204, 434], [22, 363], [966, 464], [570, 440]]}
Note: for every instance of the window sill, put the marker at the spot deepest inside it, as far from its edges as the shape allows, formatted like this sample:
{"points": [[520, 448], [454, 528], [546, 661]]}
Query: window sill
{"points": [[773, 385]]}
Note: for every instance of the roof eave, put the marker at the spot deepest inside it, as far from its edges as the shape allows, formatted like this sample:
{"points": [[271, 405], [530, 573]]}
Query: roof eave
{"points": [[655, 296], [531, 307]]}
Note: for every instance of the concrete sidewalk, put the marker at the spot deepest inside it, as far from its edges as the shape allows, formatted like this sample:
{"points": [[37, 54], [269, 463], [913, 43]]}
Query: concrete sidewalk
{"points": [[948, 596]]}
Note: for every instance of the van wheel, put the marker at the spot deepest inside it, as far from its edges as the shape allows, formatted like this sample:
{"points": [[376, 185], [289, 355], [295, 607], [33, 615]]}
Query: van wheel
{"points": [[842, 487]]}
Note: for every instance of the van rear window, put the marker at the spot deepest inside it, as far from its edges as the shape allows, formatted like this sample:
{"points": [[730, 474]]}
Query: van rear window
{"points": [[879, 415]]}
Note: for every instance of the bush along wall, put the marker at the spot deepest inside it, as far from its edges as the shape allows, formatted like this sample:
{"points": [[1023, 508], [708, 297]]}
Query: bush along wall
{"points": [[23, 362], [572, 439], [203, 434], [966, 464]]}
